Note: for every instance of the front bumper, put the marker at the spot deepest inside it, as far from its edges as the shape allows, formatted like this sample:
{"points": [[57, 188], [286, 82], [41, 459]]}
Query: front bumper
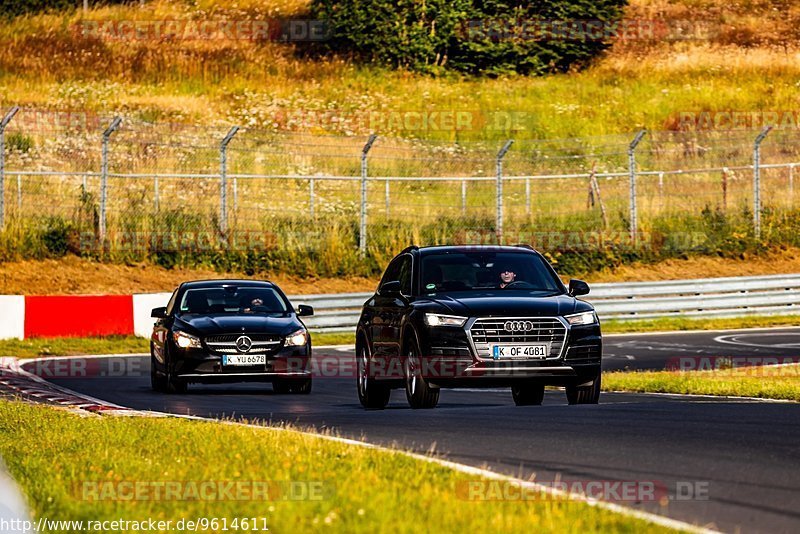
{"points": [[450, 359], [201, 366]]}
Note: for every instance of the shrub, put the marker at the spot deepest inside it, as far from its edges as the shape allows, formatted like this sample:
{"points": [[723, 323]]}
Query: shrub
{"points": [[478, 37]]}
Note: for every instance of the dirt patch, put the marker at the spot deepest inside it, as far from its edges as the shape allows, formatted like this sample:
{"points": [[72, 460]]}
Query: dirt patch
{"points": [[776, 262], [76, 276]]}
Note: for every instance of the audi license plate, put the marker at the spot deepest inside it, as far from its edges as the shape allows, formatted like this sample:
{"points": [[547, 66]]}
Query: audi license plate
{"points": [[538, 351], [244, 359]]}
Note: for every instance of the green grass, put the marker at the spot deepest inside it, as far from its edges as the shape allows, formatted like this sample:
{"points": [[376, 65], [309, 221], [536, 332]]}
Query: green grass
{"points": [[770, 382], [73, 346], [685, 323], [53, 455]]}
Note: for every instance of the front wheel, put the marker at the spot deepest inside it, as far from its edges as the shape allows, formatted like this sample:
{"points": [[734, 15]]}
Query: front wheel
{"points": [[371, 394], [418, 392], [584, 394], [527, 394], [299, 386], [157, 381]]}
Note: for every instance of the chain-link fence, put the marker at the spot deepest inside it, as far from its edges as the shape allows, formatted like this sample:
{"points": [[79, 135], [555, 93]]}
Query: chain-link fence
{"points": [[137, 186]]}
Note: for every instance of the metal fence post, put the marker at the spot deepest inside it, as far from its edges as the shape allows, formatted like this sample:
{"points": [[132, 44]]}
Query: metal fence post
{"points": [[223, 179], [499, 215], [104, 174], [311, 196], [387, 198], [463, 197], [10, 115], [156, 199], [632, 170], [757, 180], [528, 197], [362, 232]]}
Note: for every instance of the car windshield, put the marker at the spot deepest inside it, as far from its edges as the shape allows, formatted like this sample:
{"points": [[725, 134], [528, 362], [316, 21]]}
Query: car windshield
{"points": [[233, 300], [468, 271]]}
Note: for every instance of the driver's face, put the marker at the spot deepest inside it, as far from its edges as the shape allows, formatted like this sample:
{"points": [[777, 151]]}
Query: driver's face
{"points": [[257, 302], [507, 276]]}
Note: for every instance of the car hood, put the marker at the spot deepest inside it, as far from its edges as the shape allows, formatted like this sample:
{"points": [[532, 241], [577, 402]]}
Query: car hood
{"points": [[504, 303], [228, 324]]}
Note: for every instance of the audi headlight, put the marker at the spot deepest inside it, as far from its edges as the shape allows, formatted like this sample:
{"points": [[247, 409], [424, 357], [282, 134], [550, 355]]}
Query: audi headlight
{"points": [[434, 319], [582, 318], [186, 341], [297, 339]]}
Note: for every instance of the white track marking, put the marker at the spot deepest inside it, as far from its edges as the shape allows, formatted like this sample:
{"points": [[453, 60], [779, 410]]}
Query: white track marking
{"points": [[735, 339]]}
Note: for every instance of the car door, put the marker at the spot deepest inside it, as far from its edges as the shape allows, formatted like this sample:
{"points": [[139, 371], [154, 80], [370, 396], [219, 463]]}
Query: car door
{"points": [[161, 330], [381, 314], [393, 310]]}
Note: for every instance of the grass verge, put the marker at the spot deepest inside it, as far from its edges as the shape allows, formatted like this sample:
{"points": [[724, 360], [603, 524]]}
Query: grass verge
{"points": [[363, 490], [767, 382], [73, 346], [685, 323]]}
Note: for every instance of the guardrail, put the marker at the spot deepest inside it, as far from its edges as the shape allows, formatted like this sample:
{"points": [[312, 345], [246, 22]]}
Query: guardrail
{"points": [[707, 297]]}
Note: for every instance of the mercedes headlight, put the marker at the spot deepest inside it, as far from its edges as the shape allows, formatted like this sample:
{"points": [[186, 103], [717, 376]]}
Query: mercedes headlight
{"points": [[584, 318], [297, 339], [186, 341], [435, 319]]}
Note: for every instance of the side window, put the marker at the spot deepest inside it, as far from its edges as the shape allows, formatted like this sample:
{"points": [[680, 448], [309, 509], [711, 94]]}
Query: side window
{"points": [[392, 272], [405, 275], [171, 303]]}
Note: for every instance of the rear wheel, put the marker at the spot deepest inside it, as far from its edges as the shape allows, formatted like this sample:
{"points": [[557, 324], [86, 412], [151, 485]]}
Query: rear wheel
{"points": [[526, 394], [584, 394], [418, 392], [371, 394]]}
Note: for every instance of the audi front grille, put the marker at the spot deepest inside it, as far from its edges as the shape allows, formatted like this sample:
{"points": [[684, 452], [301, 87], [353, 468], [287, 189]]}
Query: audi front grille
{"points": [[485, 332]]}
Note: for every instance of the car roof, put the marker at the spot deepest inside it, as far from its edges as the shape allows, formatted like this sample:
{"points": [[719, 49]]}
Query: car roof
{"points": [[201, 284], [525, 249]]}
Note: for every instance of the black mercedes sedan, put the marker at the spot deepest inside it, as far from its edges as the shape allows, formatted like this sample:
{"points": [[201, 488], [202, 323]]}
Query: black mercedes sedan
{"points": [[476, 316], [217, 331]]}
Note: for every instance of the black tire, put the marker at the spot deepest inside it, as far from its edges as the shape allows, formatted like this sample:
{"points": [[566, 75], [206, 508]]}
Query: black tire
{"points": [[281, 386], [371, 394], [584, 394], [526, 394], [172, 384], [301, 386], [419, 393], [298, 386], [157, 381]]}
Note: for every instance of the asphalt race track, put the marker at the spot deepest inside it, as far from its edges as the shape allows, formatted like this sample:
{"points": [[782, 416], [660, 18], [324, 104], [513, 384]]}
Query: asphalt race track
{"points": [[734, 462]]}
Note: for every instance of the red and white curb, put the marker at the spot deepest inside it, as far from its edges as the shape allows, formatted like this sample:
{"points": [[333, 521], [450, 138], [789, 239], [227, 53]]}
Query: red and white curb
{"points": [[23, 317]]}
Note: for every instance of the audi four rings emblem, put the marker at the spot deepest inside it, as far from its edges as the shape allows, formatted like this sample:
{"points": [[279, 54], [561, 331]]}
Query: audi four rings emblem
{"points": [[518, 326], [244, 344]]}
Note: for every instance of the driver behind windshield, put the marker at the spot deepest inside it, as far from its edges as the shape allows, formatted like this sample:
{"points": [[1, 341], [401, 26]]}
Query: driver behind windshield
{"points": [[507, 276], [256, 305]]}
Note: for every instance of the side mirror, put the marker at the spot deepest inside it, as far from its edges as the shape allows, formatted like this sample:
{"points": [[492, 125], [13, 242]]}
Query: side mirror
{"points": [[390, 289], [304, 311], [159, 313], [578, 288]]}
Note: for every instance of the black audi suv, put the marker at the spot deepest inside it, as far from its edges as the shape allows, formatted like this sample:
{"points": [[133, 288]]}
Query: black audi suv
{"points": [[230, 331], [476, 316]]}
